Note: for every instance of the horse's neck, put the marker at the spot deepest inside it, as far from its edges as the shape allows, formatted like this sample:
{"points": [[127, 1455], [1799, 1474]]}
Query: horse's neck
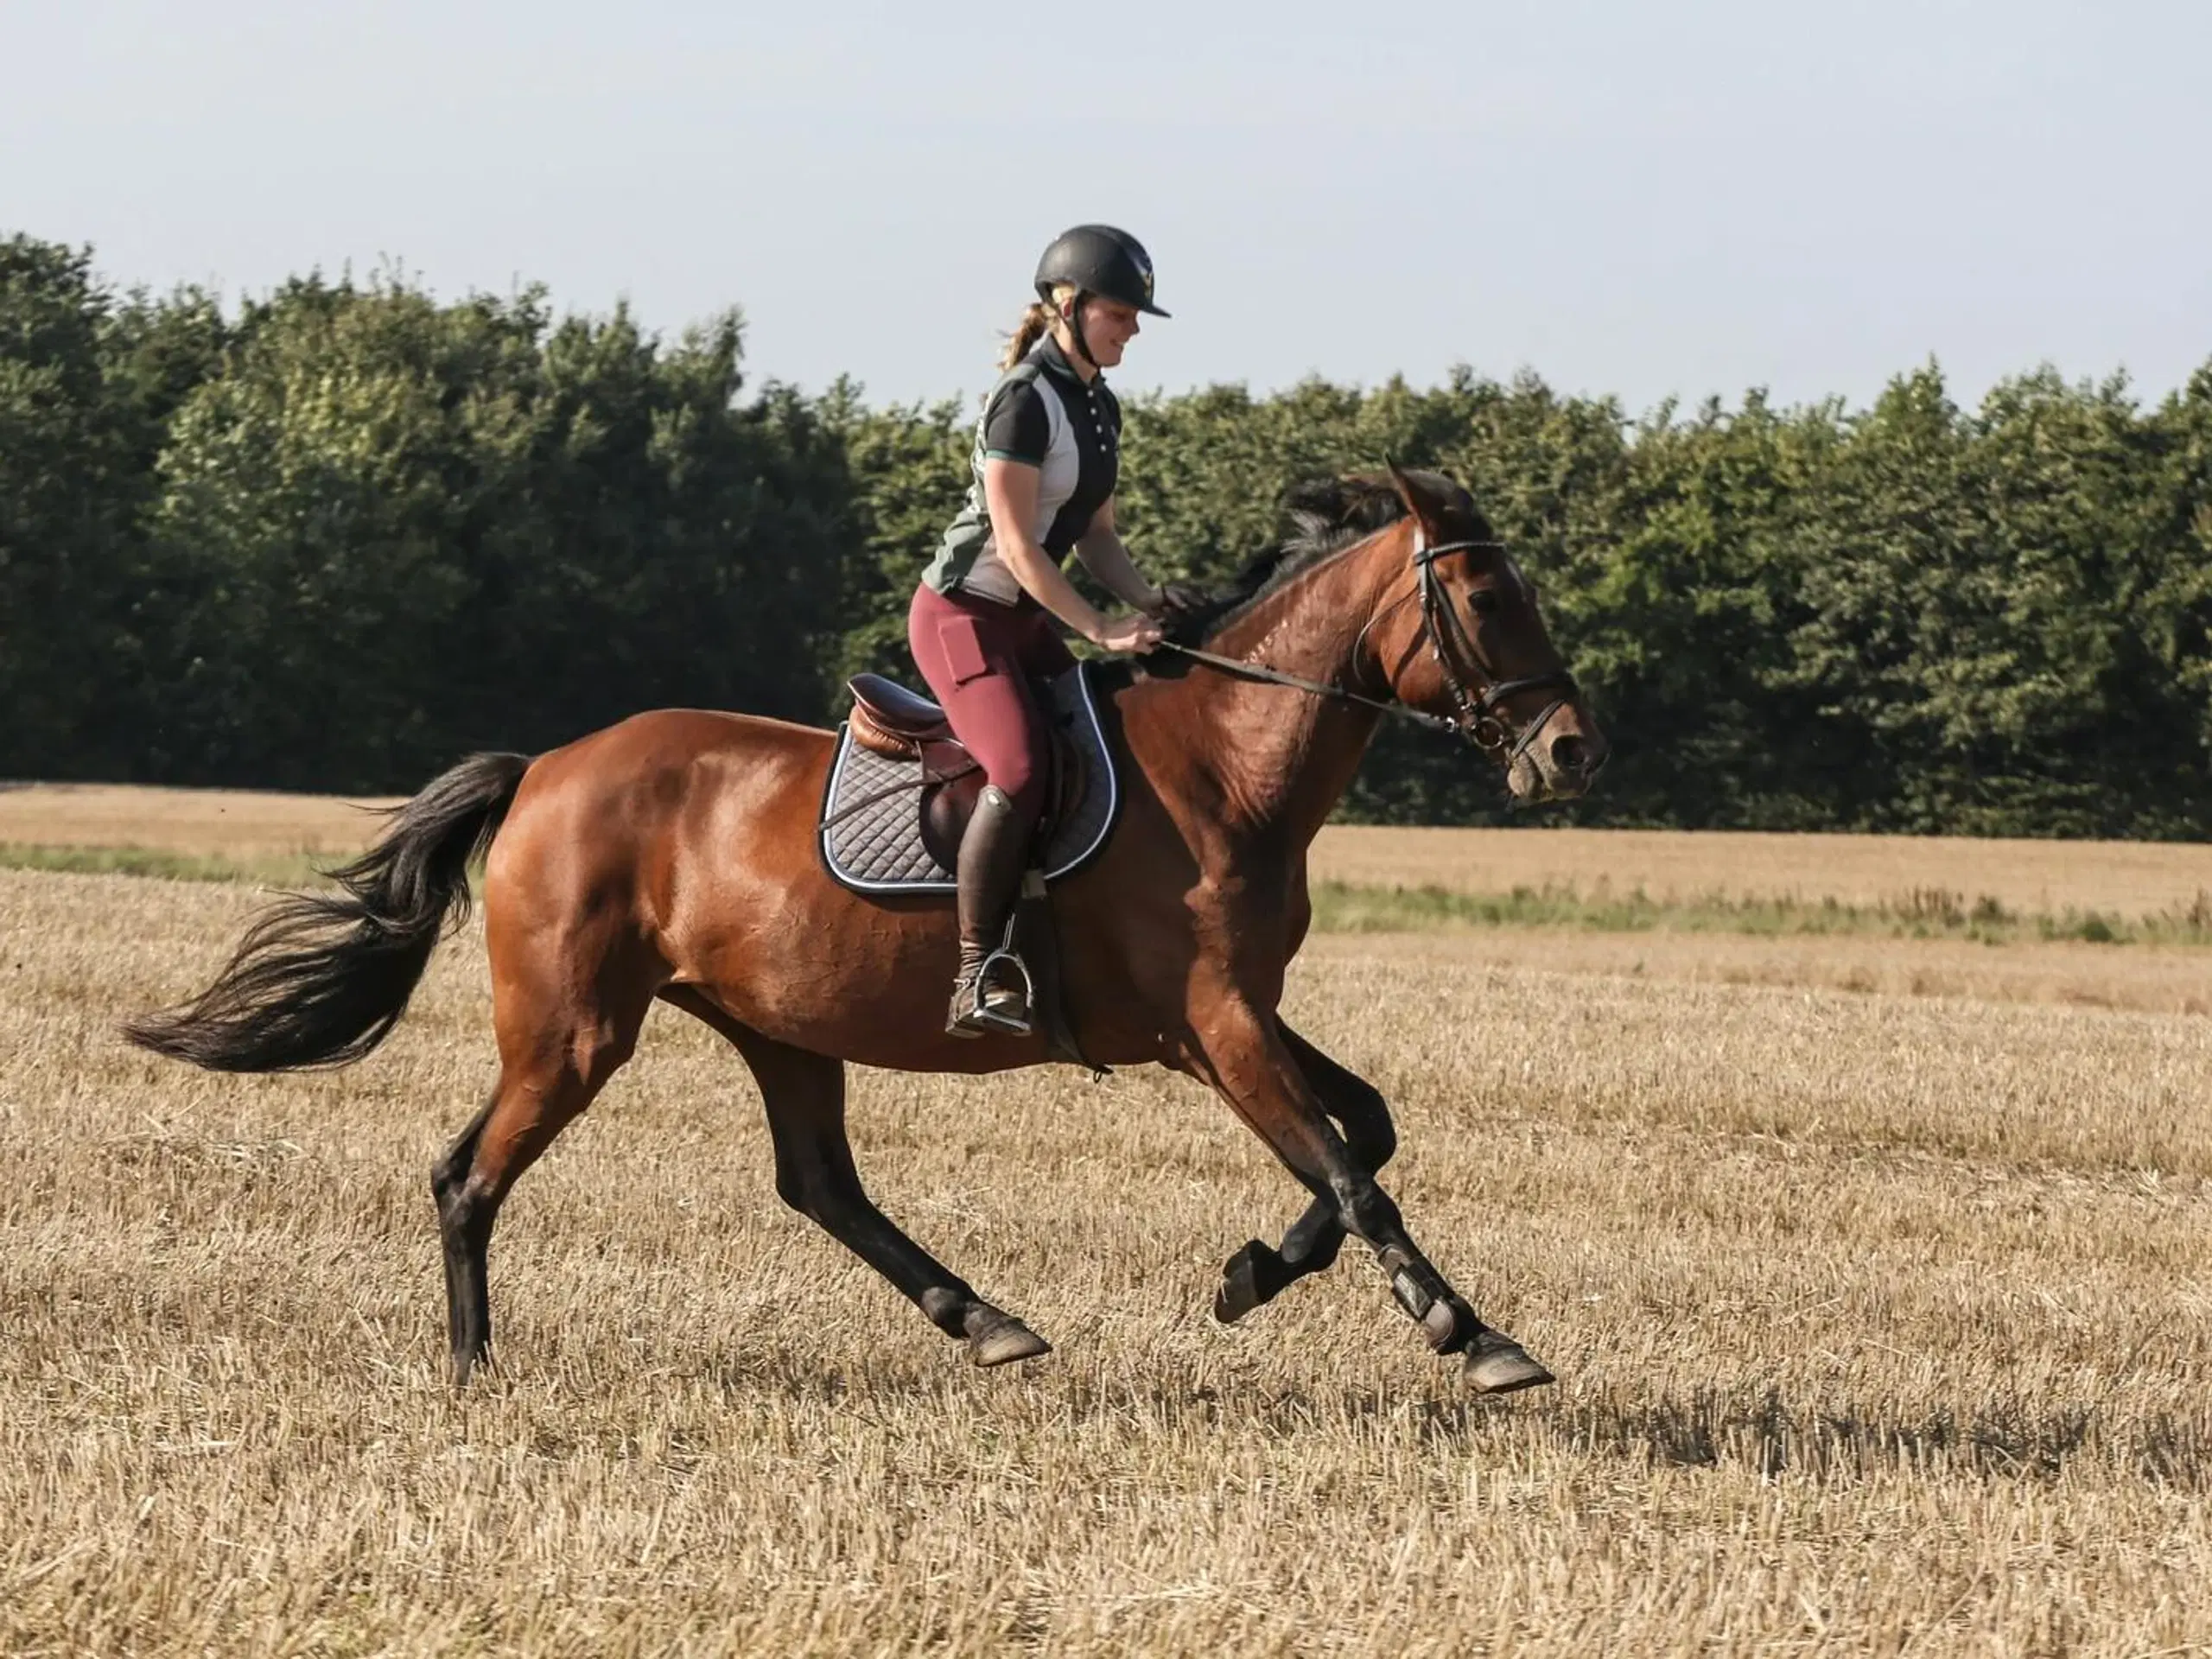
{"points": [[1279, 758]]}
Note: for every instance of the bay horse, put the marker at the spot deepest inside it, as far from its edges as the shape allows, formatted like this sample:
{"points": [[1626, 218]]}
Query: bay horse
{"points": [[673, 856]]}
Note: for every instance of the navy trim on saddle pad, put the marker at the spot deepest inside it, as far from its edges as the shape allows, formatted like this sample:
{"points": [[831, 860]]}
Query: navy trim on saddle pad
{"points": [[877, 846]]}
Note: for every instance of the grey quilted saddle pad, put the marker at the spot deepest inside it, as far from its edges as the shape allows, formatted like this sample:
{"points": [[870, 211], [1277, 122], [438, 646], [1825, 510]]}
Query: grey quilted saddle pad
{"points": [[877, 846]]}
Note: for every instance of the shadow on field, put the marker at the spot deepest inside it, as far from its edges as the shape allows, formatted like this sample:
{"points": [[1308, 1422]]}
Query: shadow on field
{"points": [[1709, 1428], [1703, 1428]]}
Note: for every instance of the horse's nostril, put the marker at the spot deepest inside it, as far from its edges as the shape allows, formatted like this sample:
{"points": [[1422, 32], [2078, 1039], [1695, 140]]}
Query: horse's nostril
{"points": [[1568, 751]]}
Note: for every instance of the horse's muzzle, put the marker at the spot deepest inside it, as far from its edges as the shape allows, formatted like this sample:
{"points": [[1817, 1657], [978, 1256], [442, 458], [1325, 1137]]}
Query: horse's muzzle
{"points": [[1563, 761]]}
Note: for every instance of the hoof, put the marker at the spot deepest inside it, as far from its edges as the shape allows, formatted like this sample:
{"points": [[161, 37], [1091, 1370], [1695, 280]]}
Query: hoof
{"points": [[1254, 1275], [1497, 1364], [996, 1338]]}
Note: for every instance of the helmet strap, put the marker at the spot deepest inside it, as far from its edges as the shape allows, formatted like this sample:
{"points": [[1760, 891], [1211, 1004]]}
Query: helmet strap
{"points": [[1075, 329]]}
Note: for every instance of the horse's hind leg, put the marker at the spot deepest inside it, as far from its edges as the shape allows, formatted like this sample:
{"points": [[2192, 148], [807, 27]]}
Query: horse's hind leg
{"points": [[804, 1095], [464, 1265], [1257, 1274], [554, 1058]]}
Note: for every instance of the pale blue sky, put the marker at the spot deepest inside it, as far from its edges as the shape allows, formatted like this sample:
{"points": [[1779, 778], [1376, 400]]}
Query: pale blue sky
{"points": [[1637, 198]]}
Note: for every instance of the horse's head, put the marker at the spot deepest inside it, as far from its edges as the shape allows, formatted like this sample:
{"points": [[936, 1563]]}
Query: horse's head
{"points": [[1457, 634]]}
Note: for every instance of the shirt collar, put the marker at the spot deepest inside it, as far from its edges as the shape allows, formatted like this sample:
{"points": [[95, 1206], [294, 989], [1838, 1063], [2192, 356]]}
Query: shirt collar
{"points": [[1047, 351]]}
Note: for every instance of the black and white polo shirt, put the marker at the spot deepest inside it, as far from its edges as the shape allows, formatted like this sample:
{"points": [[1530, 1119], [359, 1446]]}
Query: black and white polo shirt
{"points": [[1044, 415]]}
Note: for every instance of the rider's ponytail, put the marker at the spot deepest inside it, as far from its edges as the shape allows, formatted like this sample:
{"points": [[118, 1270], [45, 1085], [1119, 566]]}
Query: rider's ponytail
{"points": [[1035, 321]]}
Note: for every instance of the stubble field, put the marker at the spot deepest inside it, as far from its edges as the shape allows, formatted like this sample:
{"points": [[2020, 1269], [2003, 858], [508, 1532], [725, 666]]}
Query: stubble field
{"points": [[1874, 1269]]}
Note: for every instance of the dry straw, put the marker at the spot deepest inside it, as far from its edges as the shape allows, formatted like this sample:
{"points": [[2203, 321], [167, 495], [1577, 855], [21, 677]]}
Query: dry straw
{"points": [[1881, 1321]]}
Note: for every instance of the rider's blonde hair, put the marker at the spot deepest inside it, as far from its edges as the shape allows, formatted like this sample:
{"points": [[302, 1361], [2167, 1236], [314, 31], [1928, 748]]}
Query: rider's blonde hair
{"points": [[1034, 322]]}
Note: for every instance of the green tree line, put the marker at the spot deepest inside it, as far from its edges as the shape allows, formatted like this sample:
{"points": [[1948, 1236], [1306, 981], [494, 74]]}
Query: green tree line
{"points": [[336, 536]]}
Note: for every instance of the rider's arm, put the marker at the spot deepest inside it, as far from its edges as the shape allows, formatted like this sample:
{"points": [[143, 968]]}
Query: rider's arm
{"points": [[1010, 492], [1100, 548]]}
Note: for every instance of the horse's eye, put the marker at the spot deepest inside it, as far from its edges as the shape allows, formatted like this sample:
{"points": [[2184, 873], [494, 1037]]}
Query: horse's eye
{"points": [[1482, 601]]}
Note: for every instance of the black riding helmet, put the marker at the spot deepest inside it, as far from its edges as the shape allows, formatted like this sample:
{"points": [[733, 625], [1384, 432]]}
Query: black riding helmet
{"points": [[1102, 260]]}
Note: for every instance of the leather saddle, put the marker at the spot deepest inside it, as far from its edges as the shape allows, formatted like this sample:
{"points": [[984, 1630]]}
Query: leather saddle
{"points": [[897, 724]]}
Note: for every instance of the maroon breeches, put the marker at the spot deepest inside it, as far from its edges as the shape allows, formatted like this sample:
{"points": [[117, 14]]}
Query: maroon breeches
{"points": [[979, 657]]}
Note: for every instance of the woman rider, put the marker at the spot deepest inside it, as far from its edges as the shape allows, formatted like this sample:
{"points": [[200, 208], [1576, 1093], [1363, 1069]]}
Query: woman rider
{"points": [[1046, 456]]}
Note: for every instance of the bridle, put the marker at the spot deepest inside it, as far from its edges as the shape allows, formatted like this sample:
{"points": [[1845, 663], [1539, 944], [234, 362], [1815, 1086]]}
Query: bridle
{"points": [[1476, 721]]}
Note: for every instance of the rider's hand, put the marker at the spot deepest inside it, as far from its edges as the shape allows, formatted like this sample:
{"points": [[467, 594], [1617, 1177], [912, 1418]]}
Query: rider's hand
{"points": [[1136, 633], [1178, 600]]}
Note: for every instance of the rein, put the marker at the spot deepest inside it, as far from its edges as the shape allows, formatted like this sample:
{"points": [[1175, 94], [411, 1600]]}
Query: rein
{"points": [[1267, 675], [1477, 722]]}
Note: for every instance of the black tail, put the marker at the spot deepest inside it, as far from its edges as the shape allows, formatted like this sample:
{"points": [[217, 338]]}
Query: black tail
{"points": [[323, 977]]}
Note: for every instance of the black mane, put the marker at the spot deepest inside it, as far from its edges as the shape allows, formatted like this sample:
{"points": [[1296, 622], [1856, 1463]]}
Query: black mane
{"points": [[1327, 515]]}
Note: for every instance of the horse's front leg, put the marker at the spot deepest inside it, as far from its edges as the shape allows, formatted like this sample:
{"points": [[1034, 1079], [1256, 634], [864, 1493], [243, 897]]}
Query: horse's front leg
{"points": [[1258, 1274], [1247, 1058]]}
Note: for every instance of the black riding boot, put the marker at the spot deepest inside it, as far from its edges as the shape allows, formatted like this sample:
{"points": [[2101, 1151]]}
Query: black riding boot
{"points": [[991, 994]]}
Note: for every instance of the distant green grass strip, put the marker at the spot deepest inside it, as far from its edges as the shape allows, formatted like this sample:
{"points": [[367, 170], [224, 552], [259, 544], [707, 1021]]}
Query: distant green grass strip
{"points": [[1927, 914], [288, 870], [1342, 907]]}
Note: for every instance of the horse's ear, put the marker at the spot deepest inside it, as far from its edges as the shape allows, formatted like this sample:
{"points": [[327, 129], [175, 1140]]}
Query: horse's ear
{"points": [[1421, 505]]}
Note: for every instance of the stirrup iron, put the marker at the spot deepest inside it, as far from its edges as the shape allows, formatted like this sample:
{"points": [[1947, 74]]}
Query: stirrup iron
{"points": [[1011, 1017], [1005, 952]]}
